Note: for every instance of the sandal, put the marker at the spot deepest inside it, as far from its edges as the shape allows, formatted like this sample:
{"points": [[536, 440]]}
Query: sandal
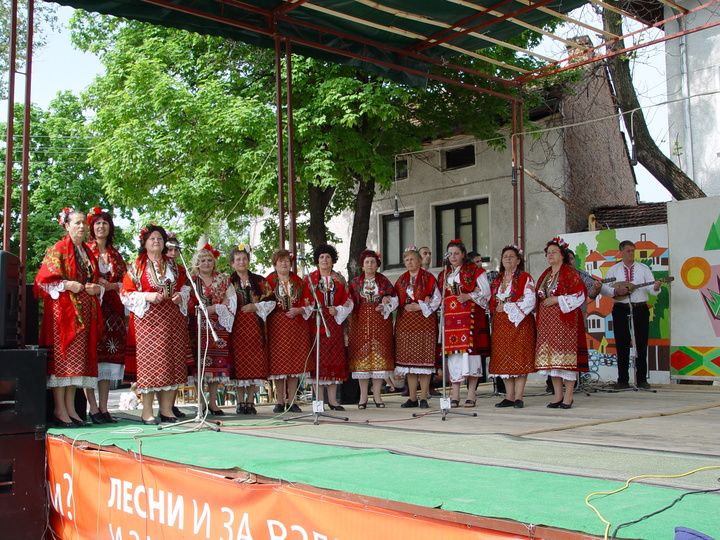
{"points": [[362, 405], [469, 403], [380, 405], [454, 403]]}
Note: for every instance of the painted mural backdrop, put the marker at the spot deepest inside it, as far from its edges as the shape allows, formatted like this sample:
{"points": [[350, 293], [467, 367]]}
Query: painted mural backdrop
{"points": [[694, 233], [595, 253]]}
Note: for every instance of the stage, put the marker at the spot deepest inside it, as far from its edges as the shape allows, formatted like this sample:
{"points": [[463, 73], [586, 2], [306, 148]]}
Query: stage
{"points": [[507, 473]]}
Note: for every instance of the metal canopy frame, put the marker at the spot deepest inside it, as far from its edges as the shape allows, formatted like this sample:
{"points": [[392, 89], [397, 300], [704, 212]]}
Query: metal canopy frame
{"points": [[396, 39]]}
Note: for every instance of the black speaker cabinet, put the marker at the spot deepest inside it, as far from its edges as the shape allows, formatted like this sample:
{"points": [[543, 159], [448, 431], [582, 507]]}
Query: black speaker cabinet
{"points": [[9, 300], [22, 390], [23, 496]]}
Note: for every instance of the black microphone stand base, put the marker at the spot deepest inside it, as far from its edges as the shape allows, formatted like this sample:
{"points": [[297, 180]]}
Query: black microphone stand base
{"points": [[318, 411], [444, 410], [200, 419]]}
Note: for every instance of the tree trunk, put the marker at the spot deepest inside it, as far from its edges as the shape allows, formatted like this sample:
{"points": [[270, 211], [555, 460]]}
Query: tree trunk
{"points": [[660, 166], [361, 223], [318, 201]]}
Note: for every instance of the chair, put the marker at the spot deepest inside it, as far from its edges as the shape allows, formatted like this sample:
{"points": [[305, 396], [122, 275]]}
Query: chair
{"points": [[186, 394]]}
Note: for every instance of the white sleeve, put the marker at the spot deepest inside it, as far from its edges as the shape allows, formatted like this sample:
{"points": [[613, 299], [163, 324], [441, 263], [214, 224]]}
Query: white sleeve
{"points": [[517, 311], [568, 302], [343, 311], [54, 289], [648, 276], [102, 293], [185, 297], [225, 318], [136, 302], [481, 297], [428, 308], [232, 305], [390, 306], [265, 308]]}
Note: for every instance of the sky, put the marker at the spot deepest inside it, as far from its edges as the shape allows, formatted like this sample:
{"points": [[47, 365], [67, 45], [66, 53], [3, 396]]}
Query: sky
{"points": [[59, 66]]}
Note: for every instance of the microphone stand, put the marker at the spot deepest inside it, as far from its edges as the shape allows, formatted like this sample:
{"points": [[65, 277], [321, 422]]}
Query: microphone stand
{"points": [[445, 408], [317, 404], [201, 415]]}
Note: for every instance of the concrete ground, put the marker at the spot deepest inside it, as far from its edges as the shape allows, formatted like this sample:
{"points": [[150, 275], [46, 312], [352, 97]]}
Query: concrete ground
{"points": [[606, 435]]}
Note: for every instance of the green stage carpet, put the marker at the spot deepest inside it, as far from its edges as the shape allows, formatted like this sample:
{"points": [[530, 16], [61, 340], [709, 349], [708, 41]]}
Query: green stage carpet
{"points": [[529, 497]]}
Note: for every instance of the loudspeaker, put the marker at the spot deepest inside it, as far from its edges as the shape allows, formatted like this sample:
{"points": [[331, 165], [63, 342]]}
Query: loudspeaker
{"points": [[9, 300], [32, 317], [22, 391], [23, 496]]}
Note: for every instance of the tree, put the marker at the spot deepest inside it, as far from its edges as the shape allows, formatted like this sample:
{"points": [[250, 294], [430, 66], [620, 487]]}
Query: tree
{"points": [[44, 16], [59, 175], [187, 128], [660, 166]]}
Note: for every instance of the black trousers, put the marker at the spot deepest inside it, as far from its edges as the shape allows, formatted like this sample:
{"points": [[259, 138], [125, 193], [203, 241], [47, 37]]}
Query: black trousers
{"points": [[621, 327]]}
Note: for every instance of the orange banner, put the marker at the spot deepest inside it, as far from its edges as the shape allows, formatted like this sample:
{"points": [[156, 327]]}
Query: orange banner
{"points": [[96, 494]]}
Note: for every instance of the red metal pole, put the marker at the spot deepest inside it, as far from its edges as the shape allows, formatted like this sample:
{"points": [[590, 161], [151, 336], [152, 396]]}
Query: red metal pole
{"points": [[291, 151], [26, 166], [10, 128], [279, 118]]}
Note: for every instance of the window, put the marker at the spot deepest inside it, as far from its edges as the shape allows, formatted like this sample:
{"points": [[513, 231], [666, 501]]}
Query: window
{"points": [[401, 169], [398, 233], [459, 157], [468, 221]]}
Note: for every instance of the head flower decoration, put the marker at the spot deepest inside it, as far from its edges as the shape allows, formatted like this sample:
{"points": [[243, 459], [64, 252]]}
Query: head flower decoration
{"points": [[560, 242], [143, 232], [379, 255], [63, 215], [215, 252], [245, 247], [520, 251], [411, 248], [456, 241], [291, 255], [96, 210]]}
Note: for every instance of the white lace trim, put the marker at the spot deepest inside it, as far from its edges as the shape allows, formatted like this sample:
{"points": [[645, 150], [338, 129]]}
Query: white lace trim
{"points": [[283, 377], [158, 389], [53, 289], [362, 375], [225, 317], [414, 370], [243, 383], [81, 382], [564, 373]]}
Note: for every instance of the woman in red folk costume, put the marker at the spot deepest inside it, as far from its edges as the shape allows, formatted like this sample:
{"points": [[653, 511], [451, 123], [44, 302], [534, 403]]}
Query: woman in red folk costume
{"points": [[156, 292], [72, 321], [513, 336], [334, 297], [288, 332], [465, 285], [214, 289], [371, 346], [561, 343], [251, 302], [111, 349], [416, 327]]}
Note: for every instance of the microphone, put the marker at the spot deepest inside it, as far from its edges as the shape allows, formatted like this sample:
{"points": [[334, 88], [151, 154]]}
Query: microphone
{"points": [[446, 256], [174, 245]]}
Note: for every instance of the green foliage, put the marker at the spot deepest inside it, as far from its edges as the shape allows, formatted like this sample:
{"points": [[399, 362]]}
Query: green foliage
{"points": [[581, 253], [59, 174], [44, 15], [607, 240]]}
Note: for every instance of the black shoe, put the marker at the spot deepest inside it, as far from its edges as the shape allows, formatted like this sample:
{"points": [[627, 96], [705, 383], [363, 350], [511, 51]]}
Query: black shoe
{"points": [[644, 385], [250, 408], [60, 423], [424, 404], [178, 413], [519, 404], [337, 407], [97, 418], [240, 409], [218, 412], [505, 403], [621, 385], [168, 419], [566, 405], [294, 408], [554, 405], [78, 422], [361, 406], [409, 403], [151, 422], [278, 409], [108, 418]]}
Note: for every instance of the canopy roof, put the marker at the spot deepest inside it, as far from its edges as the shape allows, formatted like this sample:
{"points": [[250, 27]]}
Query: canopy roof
{"points": [[399, 39]]}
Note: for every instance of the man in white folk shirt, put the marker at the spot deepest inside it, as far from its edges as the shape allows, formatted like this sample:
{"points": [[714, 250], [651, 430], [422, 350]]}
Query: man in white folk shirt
{"points": [[627, 298]]}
